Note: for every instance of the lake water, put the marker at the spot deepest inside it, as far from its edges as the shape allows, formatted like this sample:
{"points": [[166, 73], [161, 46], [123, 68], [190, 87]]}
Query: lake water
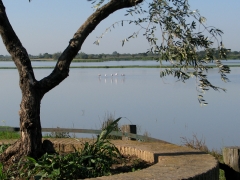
{"points": [[166, 109], [107, 63]]}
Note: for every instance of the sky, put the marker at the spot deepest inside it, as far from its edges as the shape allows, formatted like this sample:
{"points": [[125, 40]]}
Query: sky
{"points": [[46, 26]]}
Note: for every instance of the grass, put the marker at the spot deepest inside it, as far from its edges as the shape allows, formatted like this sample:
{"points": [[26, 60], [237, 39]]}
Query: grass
{"points": [[109, 119], [8, 134]]}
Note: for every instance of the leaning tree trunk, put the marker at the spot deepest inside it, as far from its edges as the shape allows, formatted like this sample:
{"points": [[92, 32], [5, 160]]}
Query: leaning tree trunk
{"points": [[30, 143]]}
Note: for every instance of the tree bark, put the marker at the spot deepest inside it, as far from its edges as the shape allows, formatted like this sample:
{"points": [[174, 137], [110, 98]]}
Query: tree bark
{"points": [[30, 143]]}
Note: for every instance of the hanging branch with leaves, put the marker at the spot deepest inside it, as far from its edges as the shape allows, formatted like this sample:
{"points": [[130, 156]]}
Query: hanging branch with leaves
{"points": [[176, 34]]}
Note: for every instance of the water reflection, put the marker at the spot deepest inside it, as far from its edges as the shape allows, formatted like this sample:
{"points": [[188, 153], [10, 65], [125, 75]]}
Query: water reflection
{"points": [[112, 79]]}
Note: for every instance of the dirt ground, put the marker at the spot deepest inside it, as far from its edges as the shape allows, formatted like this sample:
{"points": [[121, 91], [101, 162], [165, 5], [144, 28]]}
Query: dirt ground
{"points": [[129, 164]]}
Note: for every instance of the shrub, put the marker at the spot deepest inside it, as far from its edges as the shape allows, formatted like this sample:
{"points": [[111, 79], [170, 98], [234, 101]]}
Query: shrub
{"points": [[109, 119], [94, 160]]}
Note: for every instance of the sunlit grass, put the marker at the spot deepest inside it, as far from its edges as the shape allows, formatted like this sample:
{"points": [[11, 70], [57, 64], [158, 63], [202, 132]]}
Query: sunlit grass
{"points": [[8, 134]]}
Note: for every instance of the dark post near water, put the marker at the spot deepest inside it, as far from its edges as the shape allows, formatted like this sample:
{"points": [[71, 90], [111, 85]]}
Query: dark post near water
{"points": [[129, 129], [231, 158]]}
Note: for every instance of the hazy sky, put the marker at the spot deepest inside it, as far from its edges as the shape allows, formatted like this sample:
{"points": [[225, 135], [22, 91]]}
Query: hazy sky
{"points": [[48, 25]]}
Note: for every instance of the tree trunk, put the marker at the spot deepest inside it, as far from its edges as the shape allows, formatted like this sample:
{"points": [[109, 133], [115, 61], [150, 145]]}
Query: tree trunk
{"points": [[30, 143]]}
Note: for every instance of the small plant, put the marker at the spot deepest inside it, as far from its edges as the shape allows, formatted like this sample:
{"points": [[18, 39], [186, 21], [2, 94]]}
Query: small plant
{"points": [[195, 143], [8, 173], [109, 119], [3, 175], [3, 147]]}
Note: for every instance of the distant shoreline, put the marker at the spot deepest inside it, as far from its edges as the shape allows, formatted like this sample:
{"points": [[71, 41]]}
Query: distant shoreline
{"points": [[98, 60], [106, 67]]}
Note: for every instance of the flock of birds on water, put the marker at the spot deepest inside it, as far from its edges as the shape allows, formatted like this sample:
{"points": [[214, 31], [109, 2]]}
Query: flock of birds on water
{"points": [[105, 75]]}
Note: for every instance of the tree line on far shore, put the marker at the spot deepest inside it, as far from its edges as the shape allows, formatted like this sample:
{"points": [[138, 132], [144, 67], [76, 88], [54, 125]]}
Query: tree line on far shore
{"points": [[233, 55]]}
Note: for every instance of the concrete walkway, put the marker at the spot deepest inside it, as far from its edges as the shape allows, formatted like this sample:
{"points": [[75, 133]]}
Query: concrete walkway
{"points": [[172, 162]]}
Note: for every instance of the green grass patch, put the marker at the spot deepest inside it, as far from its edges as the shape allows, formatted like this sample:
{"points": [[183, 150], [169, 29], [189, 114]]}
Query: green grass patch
{"points": [[6, 134], [9, 135]]}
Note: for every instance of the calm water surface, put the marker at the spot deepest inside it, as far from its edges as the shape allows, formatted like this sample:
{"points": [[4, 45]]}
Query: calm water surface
{"points": [[166, 109], [107, 63]]}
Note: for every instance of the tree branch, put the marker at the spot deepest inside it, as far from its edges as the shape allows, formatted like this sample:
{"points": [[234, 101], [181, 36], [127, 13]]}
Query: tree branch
{"points": [[15, 48], [61, 69]]}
